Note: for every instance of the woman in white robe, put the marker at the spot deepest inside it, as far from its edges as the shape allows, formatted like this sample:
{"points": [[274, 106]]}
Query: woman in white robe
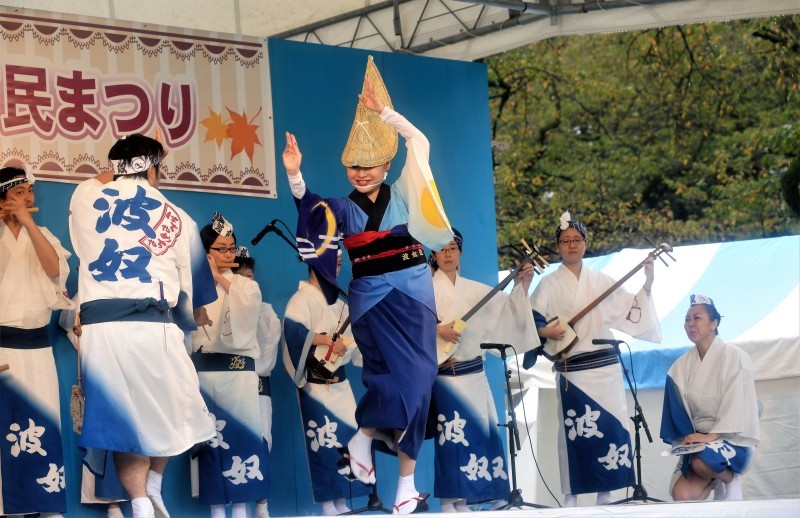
{"points": [[327, 406], [710, 399], [268, 335], [232, 468], [470, 460], [33, 273], [594, 446]]}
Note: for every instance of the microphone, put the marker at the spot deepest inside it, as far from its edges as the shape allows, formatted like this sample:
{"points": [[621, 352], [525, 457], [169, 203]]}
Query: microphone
{"points": [[499, 347], [264, 231], [605, 341]]}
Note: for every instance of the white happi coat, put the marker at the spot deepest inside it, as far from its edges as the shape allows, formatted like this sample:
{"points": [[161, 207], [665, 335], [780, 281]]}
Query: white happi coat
{"points": [[27, 298], [309, 308], [142, 368], [719, 392], [564, 295], [27, 295], [268, 335], [505, 319], [234, 320]]}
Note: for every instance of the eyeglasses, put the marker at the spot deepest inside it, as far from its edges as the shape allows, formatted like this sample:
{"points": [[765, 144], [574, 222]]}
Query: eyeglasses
{"points": [[567, 242], [224, 250], [449, 249]]}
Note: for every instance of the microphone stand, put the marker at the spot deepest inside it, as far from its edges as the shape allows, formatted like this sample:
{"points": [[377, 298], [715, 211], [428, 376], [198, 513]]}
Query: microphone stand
{"points": [[515, 497], [639, 492]]}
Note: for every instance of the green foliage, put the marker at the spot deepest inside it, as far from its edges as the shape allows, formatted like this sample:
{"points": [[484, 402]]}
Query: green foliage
{"points": [[683, 134]]}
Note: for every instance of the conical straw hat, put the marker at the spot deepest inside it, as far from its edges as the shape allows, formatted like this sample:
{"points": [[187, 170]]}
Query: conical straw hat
{"points": [[371, 142]]}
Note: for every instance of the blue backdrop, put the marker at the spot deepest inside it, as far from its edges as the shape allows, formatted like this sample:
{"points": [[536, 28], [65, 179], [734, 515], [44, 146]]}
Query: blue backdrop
{"points": [[314, 92]]}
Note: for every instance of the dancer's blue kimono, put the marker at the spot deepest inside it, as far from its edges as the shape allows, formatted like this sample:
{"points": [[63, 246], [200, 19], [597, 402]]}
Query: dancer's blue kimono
{"points": [[392, 308]]}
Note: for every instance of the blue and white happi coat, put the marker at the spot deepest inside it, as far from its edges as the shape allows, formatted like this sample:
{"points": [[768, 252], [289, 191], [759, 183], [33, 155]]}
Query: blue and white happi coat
{"points": [[594, 445], [470, 459], [234, 466], [715, 394], [31, 458], [327, 410], [94, 490], [142, 392], [268, 335]]}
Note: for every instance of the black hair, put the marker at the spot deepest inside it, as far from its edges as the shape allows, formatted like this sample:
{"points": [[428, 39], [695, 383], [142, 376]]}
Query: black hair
{"points": [[459, 240], [208, 235], [133, 146], [713, 314], [6, 174], [245, 262]]}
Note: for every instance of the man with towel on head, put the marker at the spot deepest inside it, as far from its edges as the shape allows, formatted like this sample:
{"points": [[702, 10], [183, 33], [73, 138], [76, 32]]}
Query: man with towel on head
{"points": [[392, 309], [143, 401]]}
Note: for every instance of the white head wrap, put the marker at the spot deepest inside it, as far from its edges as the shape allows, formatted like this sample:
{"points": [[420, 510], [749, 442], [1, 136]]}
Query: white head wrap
{"points": [[135, 165], [220, 225], [28, 178]]}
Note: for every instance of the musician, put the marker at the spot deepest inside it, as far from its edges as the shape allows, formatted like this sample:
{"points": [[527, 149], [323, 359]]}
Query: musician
{"points": [[467, 435], [33, 273], [268, 335], [327, 404], [233, 468], [391, 296], [594, 446], [142, 397], [710, 398]]}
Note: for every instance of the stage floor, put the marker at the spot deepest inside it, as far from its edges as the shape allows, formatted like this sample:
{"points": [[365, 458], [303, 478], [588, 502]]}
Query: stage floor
{"points": [[786, 508]]}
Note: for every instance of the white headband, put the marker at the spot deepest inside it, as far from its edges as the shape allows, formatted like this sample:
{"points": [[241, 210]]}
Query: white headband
{"points": [[135, 165], [9, 184], [700, 299], [221, 226]]}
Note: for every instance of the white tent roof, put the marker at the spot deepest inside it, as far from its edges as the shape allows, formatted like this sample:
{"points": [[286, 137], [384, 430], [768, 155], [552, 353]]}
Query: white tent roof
{"points": [[453, 29]]}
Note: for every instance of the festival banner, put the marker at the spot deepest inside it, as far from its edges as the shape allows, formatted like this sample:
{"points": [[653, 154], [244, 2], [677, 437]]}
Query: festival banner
{"points": [[71, 86]]}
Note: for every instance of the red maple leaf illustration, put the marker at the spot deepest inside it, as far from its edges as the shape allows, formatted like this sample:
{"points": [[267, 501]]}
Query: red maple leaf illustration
{"points": [[215, 129], [242, 134]]}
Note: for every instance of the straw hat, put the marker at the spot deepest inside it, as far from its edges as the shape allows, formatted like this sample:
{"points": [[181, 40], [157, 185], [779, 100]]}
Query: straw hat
{"points": [[371, 142]]}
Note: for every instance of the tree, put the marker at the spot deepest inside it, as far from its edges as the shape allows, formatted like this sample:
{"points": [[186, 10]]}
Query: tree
{"points": [[683, 134]]}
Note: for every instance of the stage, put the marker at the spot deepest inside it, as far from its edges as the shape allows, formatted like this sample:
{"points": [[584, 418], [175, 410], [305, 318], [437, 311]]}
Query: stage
{"points": [[783, 508]]}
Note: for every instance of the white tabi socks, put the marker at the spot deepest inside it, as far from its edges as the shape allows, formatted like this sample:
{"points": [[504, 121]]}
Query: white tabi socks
{"points": [[262, 510], [448, 505], [142, 508], [604, 498], [153, 490], [733, 489], [404, 502], [239, 510], [570, 500], [341, 506], [329, 508], [360, 448], [719, 488], [218, 511]]}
